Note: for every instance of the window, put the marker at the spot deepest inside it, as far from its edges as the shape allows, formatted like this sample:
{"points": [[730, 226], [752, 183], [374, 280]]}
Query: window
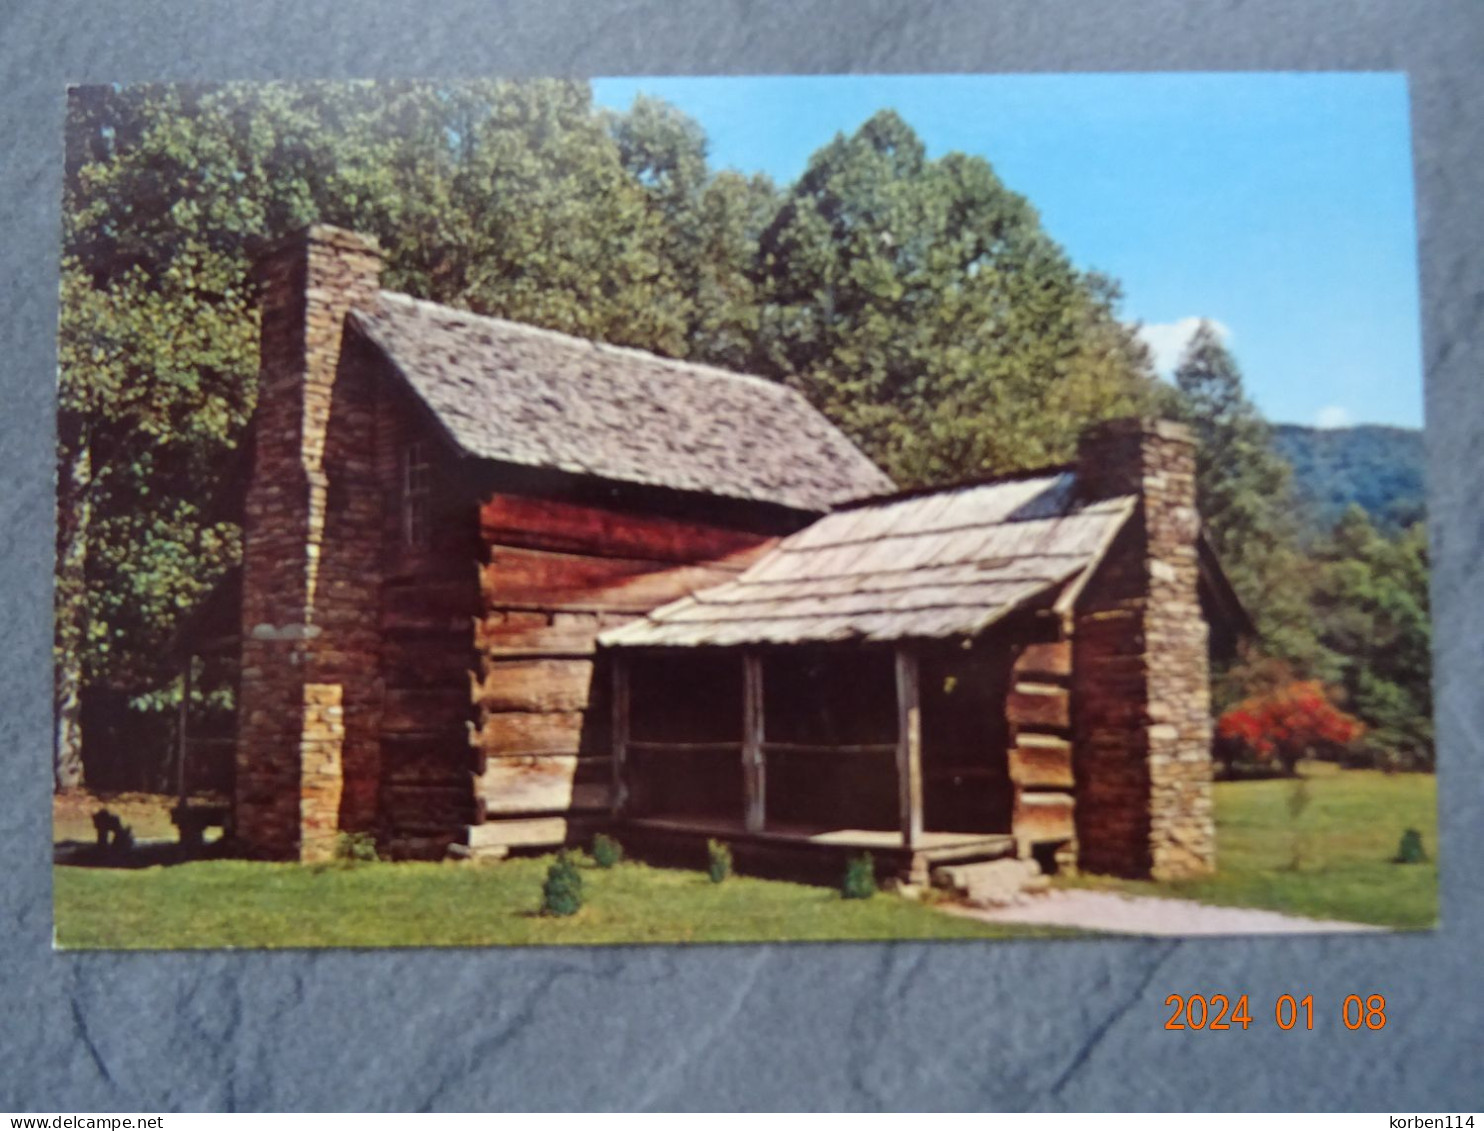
{"points": [[417, 490]]}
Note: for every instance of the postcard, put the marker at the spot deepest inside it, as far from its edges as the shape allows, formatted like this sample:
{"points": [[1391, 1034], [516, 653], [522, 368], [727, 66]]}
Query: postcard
{"points": [[740, 509]]}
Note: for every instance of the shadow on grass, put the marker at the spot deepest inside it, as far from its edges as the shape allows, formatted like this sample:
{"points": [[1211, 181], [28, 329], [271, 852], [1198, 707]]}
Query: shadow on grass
{"points": [[141, 854]]}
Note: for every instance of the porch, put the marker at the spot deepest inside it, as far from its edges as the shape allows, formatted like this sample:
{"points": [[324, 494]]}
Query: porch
{"points": [[802, 757], [793, 848]]}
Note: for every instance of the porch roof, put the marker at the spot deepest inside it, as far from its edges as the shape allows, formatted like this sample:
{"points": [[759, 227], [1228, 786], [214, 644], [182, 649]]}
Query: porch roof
{"points": [[938, 564]]}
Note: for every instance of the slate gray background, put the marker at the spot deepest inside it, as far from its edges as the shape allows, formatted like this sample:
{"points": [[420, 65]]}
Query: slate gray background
{"points": [[1002, 1025]]}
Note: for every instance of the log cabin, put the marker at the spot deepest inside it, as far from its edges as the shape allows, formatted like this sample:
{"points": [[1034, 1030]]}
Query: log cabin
{"points": [[502, 588], [1014, 667]]}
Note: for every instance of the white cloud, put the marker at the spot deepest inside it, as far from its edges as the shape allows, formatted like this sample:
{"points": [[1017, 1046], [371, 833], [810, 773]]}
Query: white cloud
{"points": [[1332, 416], [1167, 340]]}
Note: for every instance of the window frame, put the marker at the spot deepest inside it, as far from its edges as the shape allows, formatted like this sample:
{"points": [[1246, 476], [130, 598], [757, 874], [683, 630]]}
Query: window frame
{"points": [[417, 495]]}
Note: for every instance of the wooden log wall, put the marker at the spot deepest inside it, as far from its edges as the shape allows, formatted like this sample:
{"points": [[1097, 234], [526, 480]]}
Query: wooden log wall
{"points": [[429, 599], [1038, 710], [555, 573]]}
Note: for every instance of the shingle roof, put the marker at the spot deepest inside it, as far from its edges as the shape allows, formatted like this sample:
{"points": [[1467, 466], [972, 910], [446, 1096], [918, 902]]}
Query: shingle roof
{"points": [[511, 392], [943, 564]]}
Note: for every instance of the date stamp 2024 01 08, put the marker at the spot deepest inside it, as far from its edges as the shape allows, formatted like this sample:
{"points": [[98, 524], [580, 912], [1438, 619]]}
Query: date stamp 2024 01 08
{"points": [[1218, 1011]]}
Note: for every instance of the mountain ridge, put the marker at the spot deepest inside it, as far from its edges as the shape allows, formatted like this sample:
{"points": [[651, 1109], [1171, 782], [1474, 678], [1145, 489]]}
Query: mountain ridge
{"points": [[1378, 467]]}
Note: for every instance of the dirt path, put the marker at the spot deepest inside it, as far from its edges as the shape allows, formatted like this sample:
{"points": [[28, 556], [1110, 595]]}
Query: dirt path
{"points": [[1145, 915]]}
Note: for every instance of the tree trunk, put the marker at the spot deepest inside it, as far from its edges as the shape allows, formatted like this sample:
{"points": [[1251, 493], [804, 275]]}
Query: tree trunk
{"points": [[74, 511], [67, 763]]}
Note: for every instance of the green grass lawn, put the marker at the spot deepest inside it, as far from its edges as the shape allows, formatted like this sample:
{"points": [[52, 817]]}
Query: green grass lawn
{"points": [[221, 903], [1327, 858]]}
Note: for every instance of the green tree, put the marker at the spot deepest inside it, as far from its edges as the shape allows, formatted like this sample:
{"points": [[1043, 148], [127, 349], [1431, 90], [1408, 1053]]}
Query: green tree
{"points": [[1349, 610], [1241, 483], [543, 223], [508, 198], [155, 392], [732, 213], [1371, 602], [708, 224], [1247, 510], [165, 188], [921, 306]]}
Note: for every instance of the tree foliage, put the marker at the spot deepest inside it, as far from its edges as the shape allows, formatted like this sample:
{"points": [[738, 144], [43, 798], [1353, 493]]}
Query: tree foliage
{"points": [[921, 305], [1247, 513], [917, 301], [1345, 610], [1289, 723], [514, 199], [1241, 483], [1375, 467], [1371, 608]]}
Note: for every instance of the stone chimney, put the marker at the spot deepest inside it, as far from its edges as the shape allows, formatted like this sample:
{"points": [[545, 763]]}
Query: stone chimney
{"points": [[1141, 683], [309, 700]]}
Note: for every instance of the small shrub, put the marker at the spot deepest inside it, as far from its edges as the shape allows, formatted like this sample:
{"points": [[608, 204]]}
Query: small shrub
{"points": [[356, 848], [1410, 850], [719, 861], [561, 894], [606, 851], [860, 878]]}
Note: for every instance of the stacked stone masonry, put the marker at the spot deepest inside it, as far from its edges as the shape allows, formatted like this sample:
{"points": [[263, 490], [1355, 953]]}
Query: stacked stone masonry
{"points": [[1142, 721], [311, 557]]}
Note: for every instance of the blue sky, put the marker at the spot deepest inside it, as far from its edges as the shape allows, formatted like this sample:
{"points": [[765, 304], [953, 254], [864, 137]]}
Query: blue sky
{"points": [[1278, 205]]}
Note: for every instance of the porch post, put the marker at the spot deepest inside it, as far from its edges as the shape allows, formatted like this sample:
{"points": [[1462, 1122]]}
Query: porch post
{"points": [[909, 747], [619, 738], [753, 769]]}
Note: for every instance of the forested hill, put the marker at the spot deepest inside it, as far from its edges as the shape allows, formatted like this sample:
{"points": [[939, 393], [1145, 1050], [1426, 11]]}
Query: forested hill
{"points": [[1376, 466]]}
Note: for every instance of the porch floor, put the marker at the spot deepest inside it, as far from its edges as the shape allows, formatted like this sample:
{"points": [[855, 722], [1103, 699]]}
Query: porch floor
{"points": [[934, 847]]}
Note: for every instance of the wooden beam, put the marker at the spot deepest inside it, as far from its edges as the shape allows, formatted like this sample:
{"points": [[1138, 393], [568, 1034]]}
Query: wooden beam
{"points": [[1041, 761], [683, 747], [1038, 706], [754, 768], [620, 735], [582, 528], [524, 732], [829, 748], [544, 685], [909, 746], [556, 783]]}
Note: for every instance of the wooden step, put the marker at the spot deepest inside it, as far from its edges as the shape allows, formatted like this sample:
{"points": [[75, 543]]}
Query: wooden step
{"points": [[993, 883], [530, 832]]}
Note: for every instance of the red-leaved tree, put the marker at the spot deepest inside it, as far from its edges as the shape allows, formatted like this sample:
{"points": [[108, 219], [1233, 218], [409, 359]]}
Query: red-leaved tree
{"points": [[1288, 723]]}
